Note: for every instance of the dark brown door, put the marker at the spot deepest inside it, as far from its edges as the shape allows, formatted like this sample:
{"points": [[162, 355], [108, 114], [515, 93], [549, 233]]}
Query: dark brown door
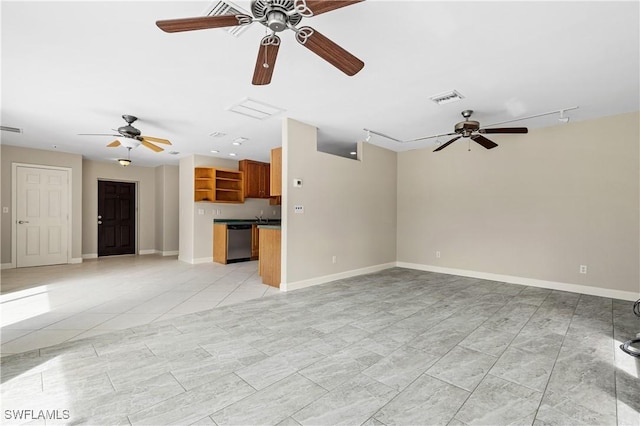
{"points": [[116, 218]]}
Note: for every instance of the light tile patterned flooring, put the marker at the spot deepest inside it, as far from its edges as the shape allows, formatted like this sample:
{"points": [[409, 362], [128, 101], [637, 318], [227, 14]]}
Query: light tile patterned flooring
{"points": [[396, 347], [48, 305]]}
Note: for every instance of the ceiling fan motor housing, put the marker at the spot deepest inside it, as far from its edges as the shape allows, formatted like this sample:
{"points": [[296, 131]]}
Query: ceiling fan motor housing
{"points": [[278, 13], [465, 128]]}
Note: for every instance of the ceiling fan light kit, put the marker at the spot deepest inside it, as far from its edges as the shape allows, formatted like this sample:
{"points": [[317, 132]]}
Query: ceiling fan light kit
{"points": [[277, 16]]}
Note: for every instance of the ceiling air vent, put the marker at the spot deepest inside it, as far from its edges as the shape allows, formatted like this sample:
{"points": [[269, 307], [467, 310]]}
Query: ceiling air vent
{"points": [[10, 129], [228, 8], [255, 109], [447, 97]]}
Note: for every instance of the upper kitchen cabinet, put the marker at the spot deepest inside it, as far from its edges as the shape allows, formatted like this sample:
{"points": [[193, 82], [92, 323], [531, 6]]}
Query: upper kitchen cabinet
{"points": [[256, 178], [218, 185], [276, 172]]}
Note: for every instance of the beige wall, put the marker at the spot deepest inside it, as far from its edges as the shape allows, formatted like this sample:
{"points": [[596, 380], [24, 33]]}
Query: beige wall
{"points": [[145, 207], [538, 206], [14, 154], [196, 230], [349, 209], [166, 202]]}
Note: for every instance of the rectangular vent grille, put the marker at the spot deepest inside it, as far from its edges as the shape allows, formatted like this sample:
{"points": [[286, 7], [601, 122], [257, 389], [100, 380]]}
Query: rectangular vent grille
{"points": [[255, 109], [10, 129], [228, 8], [447, 97]]}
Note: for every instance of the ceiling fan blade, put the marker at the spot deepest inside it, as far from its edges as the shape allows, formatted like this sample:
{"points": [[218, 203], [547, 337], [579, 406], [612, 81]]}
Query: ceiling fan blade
{"points": [[505, 130], [266, 61], [97, 134], [321, 6], [484, 141], [446, 144], [151, 146], [114, 144], [329, 51], [203, 22], [430, 137], [157, 140]]}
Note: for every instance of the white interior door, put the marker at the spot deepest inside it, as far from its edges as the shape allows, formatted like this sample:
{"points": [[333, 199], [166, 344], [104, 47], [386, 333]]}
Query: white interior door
{"points": [[42, 216]]}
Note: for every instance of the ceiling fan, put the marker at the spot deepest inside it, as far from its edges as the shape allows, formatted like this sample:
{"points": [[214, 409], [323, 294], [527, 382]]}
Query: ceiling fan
{"points": [[471, 129], [132, 136], [277, 16]]}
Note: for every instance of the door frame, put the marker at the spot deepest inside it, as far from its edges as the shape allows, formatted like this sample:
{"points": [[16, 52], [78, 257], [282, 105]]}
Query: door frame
{"points": [[136, 217], [14, 198]]}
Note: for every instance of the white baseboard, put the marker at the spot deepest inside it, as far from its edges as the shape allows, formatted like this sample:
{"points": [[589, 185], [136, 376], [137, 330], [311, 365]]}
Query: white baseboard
{"points": [[148, 251], [170, 253], [552, 285], [6, 266], [333, 277], [90, 256], [75, 260]]}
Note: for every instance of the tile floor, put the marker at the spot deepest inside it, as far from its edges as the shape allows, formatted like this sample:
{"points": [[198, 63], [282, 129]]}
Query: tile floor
{"points": [[52, 304], [398, 347]]}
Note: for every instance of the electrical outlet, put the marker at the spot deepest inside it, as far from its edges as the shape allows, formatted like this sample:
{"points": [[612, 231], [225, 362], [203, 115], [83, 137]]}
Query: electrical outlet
{"points": [[298, 209], [583, 269], [437, 255], [200, 211]]}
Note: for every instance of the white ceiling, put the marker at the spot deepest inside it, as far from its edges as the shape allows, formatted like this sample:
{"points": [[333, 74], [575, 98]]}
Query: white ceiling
{"points": [[76, 67]]}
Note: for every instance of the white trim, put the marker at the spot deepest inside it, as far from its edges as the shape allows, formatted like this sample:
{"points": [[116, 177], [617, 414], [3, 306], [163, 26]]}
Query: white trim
{"points": [[7, 266], [75, 260], [148, 251], [170, 253], [333, 277], [90, 256], [532, 282], [14, 196]]}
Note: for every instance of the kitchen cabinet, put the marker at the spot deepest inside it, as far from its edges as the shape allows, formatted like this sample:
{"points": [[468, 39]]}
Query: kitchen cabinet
{"points": [[256, 178], [220, 243], [276, 172], [270, 246], [218, 185]]}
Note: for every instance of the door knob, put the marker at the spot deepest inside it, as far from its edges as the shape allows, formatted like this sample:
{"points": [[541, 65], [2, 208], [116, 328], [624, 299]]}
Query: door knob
{"points": [[23, 221], [99, 217], [99, 222]]}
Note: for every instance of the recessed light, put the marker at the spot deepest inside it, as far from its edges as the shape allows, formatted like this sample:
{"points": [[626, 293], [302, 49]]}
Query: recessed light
{"points": [[217, 134], [240, 140], [174, 152], [236, 143], [215, 151], [232, 154]]}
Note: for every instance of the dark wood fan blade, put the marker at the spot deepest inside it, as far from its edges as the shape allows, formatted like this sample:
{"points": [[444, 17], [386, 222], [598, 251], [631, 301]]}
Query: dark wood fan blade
{"points": [[114, 144], [203, 22], [157, 140], [329, 51], [151, 146], [266, 61], [505, 130], [446, 144], [484, 141], [322, 6]]}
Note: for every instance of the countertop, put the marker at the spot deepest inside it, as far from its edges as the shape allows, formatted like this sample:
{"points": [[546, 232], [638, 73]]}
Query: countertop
{"points": [[267, 226], [271, 222]]}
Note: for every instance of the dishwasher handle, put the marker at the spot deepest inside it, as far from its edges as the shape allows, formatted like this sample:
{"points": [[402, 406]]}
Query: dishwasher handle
{"points": [[238, 227]]}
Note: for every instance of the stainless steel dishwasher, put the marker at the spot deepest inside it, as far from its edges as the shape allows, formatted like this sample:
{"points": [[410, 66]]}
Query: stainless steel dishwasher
{"points": [[238, 243]]}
